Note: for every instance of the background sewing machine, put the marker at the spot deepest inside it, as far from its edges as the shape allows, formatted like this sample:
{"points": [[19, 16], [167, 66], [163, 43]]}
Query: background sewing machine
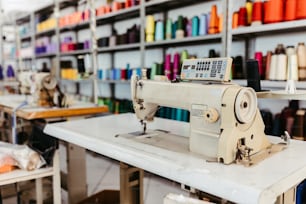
{"points": [[43, 88], [225, 123]]}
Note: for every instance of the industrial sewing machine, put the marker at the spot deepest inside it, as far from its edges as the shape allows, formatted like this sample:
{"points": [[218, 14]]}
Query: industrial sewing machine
{"points": [[225, 123], [43, 88]]}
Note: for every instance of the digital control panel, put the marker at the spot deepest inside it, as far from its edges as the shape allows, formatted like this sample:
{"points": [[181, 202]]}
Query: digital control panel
{"points": [[207, 69]]}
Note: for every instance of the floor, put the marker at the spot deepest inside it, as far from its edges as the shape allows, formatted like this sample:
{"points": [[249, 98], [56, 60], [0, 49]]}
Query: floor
{"points": [[103, 173]]}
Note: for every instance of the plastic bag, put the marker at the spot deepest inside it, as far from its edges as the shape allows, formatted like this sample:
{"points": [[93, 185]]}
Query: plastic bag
{"points": [[7, 163], [24, 157]]}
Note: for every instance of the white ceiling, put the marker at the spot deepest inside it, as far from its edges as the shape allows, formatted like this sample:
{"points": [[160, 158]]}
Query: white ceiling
{"points": [[14, 8], [23, 5]]}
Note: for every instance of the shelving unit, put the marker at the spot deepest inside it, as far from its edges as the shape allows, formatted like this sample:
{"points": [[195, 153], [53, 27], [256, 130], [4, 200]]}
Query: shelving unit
{"points": [[226, 38], [249, 33], [137, 11], [260, 30]]}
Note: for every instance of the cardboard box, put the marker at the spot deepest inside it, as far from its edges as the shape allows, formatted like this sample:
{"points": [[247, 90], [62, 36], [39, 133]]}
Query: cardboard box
{"points": [[103, 197]]}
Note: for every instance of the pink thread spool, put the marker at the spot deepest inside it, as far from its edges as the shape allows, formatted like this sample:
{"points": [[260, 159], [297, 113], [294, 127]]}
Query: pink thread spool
{"points": [[258, 57], [167, 66]]}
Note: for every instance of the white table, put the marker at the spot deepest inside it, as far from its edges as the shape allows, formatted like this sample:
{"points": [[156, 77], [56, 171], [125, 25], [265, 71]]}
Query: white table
{"points": [[261, 183], [9, 103]]}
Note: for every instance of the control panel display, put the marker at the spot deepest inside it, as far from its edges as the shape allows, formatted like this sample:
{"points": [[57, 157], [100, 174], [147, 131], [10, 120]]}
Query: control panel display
{"points": [[207, 69]]}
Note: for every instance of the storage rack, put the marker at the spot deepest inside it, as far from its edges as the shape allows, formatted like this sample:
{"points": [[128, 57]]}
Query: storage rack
{"points": [[226, 38], [139, 11], [3, 41]]}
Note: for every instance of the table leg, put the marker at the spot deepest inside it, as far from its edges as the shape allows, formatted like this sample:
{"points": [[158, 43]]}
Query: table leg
{"points": [[131, 184], [39, 190], [56, 179], [287, 197], [77, 186]]}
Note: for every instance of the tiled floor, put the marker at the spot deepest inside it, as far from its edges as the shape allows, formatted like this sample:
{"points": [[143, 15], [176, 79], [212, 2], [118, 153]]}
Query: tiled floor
{"points": [[103, 173]]}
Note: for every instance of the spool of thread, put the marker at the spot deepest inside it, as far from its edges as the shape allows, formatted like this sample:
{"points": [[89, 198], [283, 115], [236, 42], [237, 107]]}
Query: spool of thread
{"points": [[179, 33], [253, 76], [160, 69], [249, 9], [176, 65], [150, 26], [238, 68], [1, 73], [220, 23], [134, 2], [281, 73], [153, 71], [107, 9], [100, 74], [235, 20], [10, 73], [292, 64], [301, 9], [116, 6], [213, 21], [174, 26], [259, 58], [132, 34], [184, 55], [128, 3], [112, 41], [242, 17], [179, 113], [301, 54], [268, 64], [189, 28], [203, 24], [212, 53], [185, 115], [290, 11], [273, 67], [167, 66], [159, 31], [169, 29], [195, 26], [274, 11], [257, 13], [298, 129]]}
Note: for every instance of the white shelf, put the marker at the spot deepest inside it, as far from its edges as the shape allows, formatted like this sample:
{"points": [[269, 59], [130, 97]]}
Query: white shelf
{"points": [[121, 14], [45, 55], [272, 84], [188, 40], [272, 28], [9, 83], [114, 81], [23, 175], [77, 52], [77, 80], [299, 95], [133, 46]]}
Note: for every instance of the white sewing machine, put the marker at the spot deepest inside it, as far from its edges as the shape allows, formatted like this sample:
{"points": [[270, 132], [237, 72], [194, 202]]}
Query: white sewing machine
{"points": [[42, 86], [225, 123]]}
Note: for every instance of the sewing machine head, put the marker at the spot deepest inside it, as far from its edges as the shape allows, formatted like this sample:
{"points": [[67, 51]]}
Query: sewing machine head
{"points": [[42, 86], [225, 124]]}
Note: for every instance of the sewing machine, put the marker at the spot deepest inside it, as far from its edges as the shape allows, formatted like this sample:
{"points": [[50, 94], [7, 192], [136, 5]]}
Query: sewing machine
{"points": [[43, 88], [225, 123]]}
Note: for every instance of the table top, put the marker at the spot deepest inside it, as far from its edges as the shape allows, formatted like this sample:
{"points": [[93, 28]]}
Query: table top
{"points": [[260, 183], [10, 102]]}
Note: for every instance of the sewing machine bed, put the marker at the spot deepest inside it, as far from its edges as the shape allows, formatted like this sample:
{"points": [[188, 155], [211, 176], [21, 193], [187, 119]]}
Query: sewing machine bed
{"points": [[161, 139], [170, 158]]}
